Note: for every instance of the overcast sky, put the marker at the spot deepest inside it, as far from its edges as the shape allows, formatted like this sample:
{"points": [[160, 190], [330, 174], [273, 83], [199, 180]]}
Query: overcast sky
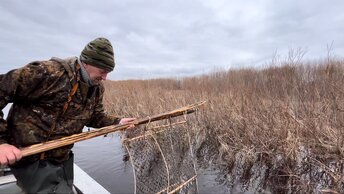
{"points": [[170, 38]]}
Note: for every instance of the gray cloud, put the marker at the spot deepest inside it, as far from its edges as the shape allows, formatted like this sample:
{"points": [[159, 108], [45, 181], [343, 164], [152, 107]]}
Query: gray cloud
{"points": [[169, 38]]}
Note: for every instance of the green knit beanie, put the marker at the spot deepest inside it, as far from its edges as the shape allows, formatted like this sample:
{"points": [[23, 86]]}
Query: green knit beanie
{"points": [[99, 53]]}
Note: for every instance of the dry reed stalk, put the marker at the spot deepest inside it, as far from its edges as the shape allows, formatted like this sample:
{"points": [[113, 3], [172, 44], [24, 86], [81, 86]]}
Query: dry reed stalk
{"points": [[182, 185], [154, 131], [38, 148], [275, 110]]}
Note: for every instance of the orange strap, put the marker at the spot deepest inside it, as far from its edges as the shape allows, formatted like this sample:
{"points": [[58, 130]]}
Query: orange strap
{"points": [[73, 91], [42, 156], [71, 94]]}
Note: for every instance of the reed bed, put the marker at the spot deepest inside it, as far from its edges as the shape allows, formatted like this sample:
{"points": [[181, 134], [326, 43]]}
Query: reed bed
{"points": [[276, 110]]}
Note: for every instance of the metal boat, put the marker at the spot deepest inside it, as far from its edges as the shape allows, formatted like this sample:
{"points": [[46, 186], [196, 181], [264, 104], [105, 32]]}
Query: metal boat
{"points": [[83, 183]]}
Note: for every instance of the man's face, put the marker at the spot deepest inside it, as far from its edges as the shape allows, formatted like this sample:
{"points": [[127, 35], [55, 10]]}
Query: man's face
{"points": [[96, 74]]}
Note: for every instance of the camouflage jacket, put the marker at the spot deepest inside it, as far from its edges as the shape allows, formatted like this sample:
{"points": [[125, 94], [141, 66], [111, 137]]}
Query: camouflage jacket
{"points": [[39, 91]]}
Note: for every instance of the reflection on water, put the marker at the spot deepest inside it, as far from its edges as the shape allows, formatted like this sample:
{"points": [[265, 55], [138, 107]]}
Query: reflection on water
{"points": [[208, 182], [101, 158]]}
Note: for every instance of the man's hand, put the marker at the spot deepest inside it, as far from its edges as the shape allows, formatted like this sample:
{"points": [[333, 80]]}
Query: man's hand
{"points": [[9, 154], [127, 121]]}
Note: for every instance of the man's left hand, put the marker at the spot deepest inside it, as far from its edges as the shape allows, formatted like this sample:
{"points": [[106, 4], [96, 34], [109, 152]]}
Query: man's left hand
{"points": [[127, 121]]}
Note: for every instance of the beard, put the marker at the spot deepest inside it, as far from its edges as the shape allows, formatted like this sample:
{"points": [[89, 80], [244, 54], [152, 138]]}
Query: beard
{"points": [[96, 81]]}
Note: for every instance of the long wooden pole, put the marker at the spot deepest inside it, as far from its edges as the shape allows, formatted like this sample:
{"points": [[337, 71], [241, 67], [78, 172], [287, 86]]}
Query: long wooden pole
{"points": [[49, 145]]}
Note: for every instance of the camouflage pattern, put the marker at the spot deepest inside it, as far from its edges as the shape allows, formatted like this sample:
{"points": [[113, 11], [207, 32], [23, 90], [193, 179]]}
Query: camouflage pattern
{"points": [[38, 92]]}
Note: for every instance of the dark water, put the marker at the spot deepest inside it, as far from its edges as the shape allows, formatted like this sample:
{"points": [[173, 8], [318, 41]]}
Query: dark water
{"points": [[101, 158]]}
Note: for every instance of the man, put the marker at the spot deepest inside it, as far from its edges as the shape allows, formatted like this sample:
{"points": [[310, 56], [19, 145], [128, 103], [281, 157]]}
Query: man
{"points": [[52, 99]]}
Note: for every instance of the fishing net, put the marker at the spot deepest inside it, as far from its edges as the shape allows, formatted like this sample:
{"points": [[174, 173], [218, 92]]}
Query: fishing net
{"points": [[162, 158]]}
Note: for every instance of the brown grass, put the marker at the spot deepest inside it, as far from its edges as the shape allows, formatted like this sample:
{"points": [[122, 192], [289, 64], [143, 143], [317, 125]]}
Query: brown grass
{"points": [[270, 111]]}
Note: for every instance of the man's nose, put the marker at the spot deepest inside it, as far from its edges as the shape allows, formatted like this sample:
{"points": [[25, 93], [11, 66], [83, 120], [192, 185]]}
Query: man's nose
{"points": [[104, 76]]}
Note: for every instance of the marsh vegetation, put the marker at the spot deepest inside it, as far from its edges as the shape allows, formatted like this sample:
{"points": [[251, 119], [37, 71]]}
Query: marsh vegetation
{"points": [[278, 129]]}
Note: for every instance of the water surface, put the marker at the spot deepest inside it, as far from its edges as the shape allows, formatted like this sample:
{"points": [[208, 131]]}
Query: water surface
{"points": [[102, 159]]}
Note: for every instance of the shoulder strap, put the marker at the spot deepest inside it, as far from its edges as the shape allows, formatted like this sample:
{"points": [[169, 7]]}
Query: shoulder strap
{"points": [[73, 74]]}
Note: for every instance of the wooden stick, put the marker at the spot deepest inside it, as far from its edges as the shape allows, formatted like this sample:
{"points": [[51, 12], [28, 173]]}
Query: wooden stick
{"points": [[49, 145], [182, 185], [153, 132]]}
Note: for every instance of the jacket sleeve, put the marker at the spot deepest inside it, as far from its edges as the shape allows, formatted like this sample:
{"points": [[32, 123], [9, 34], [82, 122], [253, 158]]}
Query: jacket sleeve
{"points": [[8, 86], [99, 117], [18, 85], [3, 129]]}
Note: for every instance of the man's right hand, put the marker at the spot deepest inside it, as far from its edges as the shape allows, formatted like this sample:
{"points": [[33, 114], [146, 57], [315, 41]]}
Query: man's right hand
{"points": [[9, 154]]}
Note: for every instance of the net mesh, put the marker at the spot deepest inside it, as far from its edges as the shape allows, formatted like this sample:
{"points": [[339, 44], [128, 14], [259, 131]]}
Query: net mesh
{"points": [[162, 158]]}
